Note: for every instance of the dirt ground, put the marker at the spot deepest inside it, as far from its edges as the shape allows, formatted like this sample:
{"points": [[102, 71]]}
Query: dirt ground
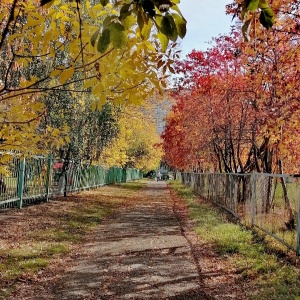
{"points": [[147, 250]]}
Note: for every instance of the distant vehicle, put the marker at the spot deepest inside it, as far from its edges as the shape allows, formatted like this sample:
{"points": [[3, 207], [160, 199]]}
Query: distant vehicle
{"points": [[151, 174], [162, 175], [165, 176]]}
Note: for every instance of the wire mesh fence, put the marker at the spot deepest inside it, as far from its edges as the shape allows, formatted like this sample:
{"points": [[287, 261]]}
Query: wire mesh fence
{"points": [[38, 178], [269, 202]]}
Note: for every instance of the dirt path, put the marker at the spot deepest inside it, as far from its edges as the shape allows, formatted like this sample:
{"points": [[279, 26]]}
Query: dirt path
{"points": [[146, 251]]}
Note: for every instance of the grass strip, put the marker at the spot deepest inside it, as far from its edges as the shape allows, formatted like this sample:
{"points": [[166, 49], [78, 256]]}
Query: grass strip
{"points": [[274, 277]]}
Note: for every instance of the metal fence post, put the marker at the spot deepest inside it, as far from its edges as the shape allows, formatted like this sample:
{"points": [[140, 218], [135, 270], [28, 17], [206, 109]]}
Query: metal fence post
{"points": [[253, 198], [90, 184], [201, 185], [21, 183], [231, 191], [48, 174], [215, 190], [80, 178]]}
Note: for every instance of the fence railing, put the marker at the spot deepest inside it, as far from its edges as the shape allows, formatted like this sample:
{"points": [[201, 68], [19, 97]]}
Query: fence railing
{"points": [[269, 202], [38, 178]]}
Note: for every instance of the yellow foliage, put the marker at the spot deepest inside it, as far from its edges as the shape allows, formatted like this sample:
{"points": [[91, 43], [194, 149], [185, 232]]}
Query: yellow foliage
{"points": [[137, 144], [121, 76], [19, 122]]}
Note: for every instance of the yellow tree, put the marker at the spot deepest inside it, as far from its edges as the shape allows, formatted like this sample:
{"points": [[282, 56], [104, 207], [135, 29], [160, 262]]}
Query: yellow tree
{"points": [[79, 48], [137, 144]]}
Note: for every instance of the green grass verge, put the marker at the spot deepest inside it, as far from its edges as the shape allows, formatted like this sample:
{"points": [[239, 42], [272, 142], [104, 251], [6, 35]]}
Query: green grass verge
{"points": [[46, 244], [274, 279]]}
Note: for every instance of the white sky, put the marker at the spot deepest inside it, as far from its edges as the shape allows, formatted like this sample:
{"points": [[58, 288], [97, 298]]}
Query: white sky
{"points": [[205, 19]]}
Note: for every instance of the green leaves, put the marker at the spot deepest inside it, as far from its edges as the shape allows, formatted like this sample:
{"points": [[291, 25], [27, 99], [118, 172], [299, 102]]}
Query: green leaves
{"points": [[104, 2], [94, 37], [166, 17], [263, 4], [249, 9], [164, 41], [170, 27], [180, 25], [118, 35], [104, 41], [267, 18], [114, 33], [124, 11], [252, 5], [145, 13], [122, 16], [146, 30]]}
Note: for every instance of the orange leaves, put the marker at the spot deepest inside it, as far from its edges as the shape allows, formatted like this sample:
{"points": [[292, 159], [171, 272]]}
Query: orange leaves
{"points": [[174, 140], [236, 99]]}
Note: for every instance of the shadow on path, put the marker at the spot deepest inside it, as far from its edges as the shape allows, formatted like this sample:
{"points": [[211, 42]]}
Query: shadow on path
{"points": [[139, 253]]}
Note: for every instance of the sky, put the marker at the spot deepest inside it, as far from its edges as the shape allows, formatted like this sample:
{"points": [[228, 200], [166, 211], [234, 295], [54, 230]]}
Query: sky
{"points": [[205, 19]]}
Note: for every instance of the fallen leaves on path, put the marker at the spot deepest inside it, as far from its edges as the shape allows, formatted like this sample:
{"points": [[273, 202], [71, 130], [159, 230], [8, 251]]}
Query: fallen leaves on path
{"points": [[56, 231]]}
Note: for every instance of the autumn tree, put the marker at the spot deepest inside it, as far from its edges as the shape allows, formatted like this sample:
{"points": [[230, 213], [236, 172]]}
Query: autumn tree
{"points": [[241, 101], [273, 68], [62, 43], [218, 115], [175, 150], [90, 131], [71, 47], [273, 60], [242, 84], [137, 144]]}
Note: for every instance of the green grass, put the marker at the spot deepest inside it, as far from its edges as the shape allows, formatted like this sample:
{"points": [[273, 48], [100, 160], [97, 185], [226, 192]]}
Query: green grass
{"points": [[274, 278], [133, 185], [57, 249], [41, 245], [24, 259], [33, 264], [29, 258]]}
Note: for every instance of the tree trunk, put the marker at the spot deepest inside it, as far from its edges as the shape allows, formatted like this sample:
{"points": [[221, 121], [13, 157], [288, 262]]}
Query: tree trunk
{"points": [[65, 170], [269, 198]]}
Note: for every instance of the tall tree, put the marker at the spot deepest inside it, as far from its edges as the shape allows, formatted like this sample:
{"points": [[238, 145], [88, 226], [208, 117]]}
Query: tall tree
{"points": [[68, 47]]}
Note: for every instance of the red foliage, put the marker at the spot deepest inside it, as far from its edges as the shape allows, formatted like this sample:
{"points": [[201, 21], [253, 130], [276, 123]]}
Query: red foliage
{"points": [[238, 104]]}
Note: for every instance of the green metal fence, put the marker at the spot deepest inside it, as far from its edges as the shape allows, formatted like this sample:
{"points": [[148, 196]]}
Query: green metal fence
{"points": [[38, 178], [264, 201]]}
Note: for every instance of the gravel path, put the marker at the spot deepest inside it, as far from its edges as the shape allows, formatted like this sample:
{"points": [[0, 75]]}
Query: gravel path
{"points": [[141, 252]]}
